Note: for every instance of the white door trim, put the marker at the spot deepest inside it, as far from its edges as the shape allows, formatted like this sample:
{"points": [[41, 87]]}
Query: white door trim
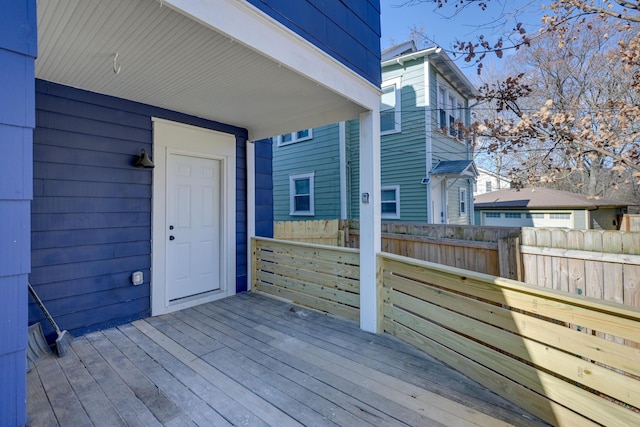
{"points": [[219, 146]]}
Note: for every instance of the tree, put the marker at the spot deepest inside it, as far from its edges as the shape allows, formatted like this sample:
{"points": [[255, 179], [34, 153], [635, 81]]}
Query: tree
{"points": [[588, 125]]}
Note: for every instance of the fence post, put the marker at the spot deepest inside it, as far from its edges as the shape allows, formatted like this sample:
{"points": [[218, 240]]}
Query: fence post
{"points": [[509, 260]]}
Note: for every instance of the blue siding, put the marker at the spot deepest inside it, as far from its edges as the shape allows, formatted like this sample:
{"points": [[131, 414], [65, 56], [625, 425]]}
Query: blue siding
{"points": [[91, 217], [348, 31], [264, 188], [18, 48]]}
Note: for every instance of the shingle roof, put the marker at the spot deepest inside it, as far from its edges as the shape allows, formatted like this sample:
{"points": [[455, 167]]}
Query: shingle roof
{"points": [[454, 167], [539, 198]]}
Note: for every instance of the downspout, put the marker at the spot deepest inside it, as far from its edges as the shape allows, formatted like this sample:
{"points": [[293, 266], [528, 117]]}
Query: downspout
{"points": [[251, 208], [342, 140]]}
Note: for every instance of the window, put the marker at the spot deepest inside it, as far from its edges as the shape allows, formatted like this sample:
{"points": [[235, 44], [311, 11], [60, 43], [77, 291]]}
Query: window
{"points": [[512, 215], [290, 138], [301, 194], [453, 111], [390, 116], [390, 201], [442, 107], [488, 185], [535, 216], [492, 214], [450, 111], [463, 201], [560, 216]]}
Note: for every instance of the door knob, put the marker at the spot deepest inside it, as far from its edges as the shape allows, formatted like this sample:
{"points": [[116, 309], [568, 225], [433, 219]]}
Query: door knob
{"points": [[171, 227], [172, 238]]}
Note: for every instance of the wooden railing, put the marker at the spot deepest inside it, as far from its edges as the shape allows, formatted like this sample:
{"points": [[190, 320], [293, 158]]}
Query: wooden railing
{"points": [[320, 277], [568, 359], [554, 354]]}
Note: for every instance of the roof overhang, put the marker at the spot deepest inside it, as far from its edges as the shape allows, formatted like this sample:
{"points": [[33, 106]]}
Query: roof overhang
{"points": [[455, 169], [216, 59], [445, 66]]}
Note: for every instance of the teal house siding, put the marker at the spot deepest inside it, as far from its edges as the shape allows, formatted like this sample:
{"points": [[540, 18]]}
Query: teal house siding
{"points": [[319, 155], [408, 153]]}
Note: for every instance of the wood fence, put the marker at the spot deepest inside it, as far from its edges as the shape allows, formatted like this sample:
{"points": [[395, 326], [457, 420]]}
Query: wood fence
{"points": [[490, 250], [320, 277], [322, 232], [595, 263], [630, 222], [524, 342]]}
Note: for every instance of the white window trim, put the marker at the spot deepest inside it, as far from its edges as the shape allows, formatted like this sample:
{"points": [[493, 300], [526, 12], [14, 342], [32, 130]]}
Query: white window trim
{"points": [[443, 104], [294, 138], [397, 84], [463, 198], [292, 193], [396, 189]]}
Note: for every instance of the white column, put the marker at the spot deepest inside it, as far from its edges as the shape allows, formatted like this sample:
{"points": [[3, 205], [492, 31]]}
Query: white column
{"points": [[370, 211], [251, 207]]}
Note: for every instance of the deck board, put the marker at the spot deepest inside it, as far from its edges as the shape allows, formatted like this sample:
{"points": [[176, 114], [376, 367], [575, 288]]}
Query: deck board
{"points": [[254, 360]]}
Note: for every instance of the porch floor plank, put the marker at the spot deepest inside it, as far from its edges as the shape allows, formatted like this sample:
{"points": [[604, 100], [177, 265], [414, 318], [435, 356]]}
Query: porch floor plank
{"points": [[254, 360], [339, 397], [385, 354]]}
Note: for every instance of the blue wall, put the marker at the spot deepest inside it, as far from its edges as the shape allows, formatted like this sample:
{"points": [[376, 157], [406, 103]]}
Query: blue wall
{"points": [[91, 219], [347, 30], [18, 48], [264, 188]]}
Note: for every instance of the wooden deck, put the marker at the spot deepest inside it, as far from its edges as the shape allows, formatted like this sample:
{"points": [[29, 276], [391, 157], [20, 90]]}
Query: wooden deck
{"points": [[253, 360]]}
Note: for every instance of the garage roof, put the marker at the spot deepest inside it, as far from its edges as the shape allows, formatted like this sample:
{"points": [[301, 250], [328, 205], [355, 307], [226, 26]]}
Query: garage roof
{"points": [[540, 198]]}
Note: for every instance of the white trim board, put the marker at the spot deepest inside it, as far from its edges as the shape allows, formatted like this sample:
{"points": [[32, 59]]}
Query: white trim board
{"points": [[220, 146]]}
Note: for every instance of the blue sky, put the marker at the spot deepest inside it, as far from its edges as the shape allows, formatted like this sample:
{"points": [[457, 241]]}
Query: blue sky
{"points": [[444, 29]]}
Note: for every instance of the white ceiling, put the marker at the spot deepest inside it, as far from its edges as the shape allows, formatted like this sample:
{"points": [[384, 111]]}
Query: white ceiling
{"points": [[168, 60]]}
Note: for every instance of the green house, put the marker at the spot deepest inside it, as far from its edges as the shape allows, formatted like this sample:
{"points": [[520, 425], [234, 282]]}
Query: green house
{"points": [[427, 171]]}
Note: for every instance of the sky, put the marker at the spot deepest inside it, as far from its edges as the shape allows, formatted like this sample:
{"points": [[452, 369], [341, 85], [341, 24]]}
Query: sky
{"points": [[443, 28]]}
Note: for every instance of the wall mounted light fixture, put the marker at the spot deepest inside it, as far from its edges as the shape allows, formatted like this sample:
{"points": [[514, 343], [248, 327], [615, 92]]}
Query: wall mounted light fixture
{"points": [[143, 161]]}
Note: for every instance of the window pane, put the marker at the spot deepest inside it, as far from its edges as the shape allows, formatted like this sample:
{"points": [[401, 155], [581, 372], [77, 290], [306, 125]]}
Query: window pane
{"points": [[303, 134], [389, 208], [302, 186], [489, 186], [387, 121], [388, 195], [286, 137], [388, 98], [302, 203]]}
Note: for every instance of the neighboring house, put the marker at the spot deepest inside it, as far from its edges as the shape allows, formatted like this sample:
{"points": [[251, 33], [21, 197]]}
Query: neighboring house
{"points": [[488, 181], [426, 168], [545, 207], [193, 84]]}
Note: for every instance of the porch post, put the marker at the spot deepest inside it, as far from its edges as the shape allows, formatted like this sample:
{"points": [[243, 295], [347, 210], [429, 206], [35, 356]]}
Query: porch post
{"points": [[18, 49], [251, 208], [370, 212]]}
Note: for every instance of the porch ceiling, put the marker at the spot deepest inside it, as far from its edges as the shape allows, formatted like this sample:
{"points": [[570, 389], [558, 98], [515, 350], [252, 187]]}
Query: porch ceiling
{"points": [[167, 59]]}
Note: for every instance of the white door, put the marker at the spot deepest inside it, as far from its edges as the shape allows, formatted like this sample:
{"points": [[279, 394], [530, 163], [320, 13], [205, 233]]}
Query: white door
{"points": [[194, 216], [438, 204], [193, 221]]}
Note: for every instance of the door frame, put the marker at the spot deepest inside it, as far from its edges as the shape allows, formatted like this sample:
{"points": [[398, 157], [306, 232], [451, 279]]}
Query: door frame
{"points": [[219, 146]]}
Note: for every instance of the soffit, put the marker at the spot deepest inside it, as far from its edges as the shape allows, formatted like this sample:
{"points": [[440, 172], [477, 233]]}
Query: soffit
{"points": [[169, 60]]}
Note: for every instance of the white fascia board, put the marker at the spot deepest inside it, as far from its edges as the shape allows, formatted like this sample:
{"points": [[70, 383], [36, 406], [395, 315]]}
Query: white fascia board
{"points": [[244, 23]]}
